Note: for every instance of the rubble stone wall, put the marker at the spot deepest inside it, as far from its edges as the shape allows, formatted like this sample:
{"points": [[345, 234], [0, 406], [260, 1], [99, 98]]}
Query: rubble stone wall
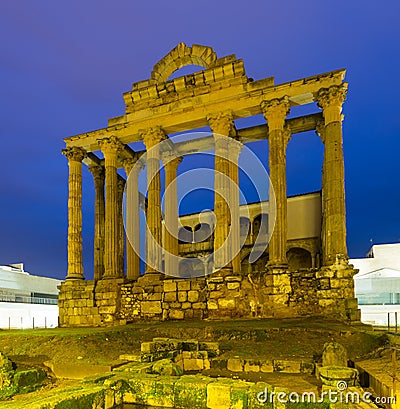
{"points": [[328, 292]]}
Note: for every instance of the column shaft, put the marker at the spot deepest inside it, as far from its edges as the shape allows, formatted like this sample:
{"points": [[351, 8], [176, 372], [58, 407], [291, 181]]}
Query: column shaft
{"points": [[132, 220], [334, 232], [75, 264], [99, 218], [151, 138], [171, 217], [222, 126], [110, 148], [275, 112], [234, 151], [121, 231]]}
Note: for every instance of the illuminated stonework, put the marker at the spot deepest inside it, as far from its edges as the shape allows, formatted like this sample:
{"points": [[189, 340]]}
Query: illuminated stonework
{"points": [[304, 270]]}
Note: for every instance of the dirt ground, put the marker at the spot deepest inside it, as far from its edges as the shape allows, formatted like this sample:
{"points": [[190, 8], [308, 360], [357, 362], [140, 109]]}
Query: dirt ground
{"points": [[267, 339]]}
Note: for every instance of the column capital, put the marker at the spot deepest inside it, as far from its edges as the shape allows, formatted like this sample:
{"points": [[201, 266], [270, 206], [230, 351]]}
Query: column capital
{"points": [[74, 153], [330, 100], [171, 159], [222, 123], [111, 145], [152, 136], [275, 112], [128, 164], [121, 184], [98, 173], [234, 149]]}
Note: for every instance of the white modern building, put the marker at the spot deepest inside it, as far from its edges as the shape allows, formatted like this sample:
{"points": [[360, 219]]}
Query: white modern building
{"points": [[377, 284], [27, 301]]}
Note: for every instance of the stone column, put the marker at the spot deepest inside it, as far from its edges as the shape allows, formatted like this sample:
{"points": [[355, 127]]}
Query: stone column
{"points": [[132, 219], [222, 124], [334, 232], [110, 148], [234, 152], [171, 216], [151, 138], [99, 216], [275, 112], [75, 266], [121, 231]]}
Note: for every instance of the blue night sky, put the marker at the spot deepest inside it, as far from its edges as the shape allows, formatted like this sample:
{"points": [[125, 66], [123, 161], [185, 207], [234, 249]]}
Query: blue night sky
{"points": [[65, 64]]}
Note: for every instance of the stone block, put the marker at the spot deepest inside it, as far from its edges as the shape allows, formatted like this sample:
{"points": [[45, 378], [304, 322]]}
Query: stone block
{"points": [[236, 279], [286, 366], [259, 396], [169, 285], [188, 314], [170, 297], [252, 366], [152, 390], [182, 296], [226, 303], [151, 307], [190, 391], [216, 294], [193, 364], [235, 365], [233, 286], [239, 394], [193, 296], [267, 366], [176, 314], [184, 285], [212, 305], [307, 367], [186, 305], [199, 305], [199, 314], [190, 345], [198, 285], [155, 296], [219, 394]]}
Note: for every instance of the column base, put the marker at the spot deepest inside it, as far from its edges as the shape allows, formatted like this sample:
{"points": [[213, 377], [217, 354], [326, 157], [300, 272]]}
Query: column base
{"points": [[74, 276], [151, 276]]}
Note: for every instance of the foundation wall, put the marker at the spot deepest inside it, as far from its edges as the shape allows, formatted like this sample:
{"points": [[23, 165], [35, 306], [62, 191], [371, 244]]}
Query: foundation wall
{"points": [[327, 292]]}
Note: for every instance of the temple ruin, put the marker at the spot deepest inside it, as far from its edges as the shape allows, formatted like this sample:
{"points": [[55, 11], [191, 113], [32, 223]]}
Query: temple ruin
{"points": [[304, 270]]}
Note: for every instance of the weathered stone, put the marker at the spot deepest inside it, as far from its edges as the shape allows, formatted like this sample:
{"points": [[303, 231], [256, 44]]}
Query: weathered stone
{"points": [[182, 296], [334, 354], [184, 285], [191, 392], [193, 296], [176, 314], [151, 307], [228, 304], [235, 365], [169, 285], [169, 297], [166, 367]]}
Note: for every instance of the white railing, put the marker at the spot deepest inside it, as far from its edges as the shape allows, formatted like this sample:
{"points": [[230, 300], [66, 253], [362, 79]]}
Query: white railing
{"points": [[27, 299]]}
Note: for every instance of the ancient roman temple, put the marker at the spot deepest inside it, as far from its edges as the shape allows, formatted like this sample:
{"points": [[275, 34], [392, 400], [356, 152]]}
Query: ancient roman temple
{"points": [[196, 267]]}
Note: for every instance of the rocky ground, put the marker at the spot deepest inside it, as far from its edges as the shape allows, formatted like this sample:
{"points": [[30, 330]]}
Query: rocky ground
{"points": [[247, 339]]}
